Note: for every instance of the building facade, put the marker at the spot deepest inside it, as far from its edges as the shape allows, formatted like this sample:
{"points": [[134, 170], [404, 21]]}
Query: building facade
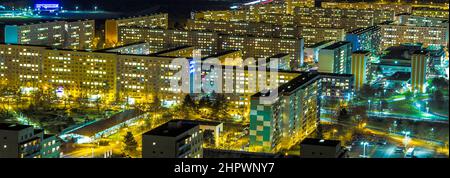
{"points": [[365, 39], [279, 122], [419, 71], [336, 58], [58, 34], [360, 59], [24, 141], [149, 21], [174, 139]]}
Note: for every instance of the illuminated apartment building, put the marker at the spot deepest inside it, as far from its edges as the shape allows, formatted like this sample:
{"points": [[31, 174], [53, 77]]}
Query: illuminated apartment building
{"points": [[274, 14], [80, 35], [224, 15], [264, 47], [348, 19], [313, 35], [312, 51], [419, 70], [407, 19], [159, 39], [22, 65], [396, 34], [360, 59], [246, 81], [149, 21], [260, 29], [59, 34], [174, 139], [336, 58], [127, 73], [367, 39], [336, 86], [282, 121], [430, 12], [24, 141], [301, 3], [398, 8], [212, 42], [81, 74]]}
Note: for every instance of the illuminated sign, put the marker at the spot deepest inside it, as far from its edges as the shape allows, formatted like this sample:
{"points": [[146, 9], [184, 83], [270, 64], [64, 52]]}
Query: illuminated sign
{"points": [[47, 7]]}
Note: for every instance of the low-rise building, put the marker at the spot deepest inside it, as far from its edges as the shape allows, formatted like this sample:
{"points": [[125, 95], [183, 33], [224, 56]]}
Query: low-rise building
{"points": [[319, 148], [24, 141], [174, 139]]}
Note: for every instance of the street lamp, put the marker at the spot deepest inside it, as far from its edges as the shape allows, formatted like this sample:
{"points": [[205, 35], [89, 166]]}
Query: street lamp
{"points": [[76, 8], [364, 144], [369, 105], [334, 131], [95, 8], [406, 139]]}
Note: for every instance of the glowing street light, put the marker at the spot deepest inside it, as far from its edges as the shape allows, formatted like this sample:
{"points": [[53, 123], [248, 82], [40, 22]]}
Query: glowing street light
{"points": [[76, 7], [95, 8], [364, 144], [406, 139]]}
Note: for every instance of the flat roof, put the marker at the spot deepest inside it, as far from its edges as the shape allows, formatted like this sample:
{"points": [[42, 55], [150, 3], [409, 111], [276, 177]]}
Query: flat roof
{"points": [[293, 84], [221, 53], [13, 127], [337, 45], [200, 122], [359, 31], [101, 125], [139, 16], [320, 142], [123, 46], [172, 49], [315, 45], [361, 52], [172, 128], [402, 52]]}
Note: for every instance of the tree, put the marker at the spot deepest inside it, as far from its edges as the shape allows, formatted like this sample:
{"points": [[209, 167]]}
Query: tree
{"points": [[367, 91], [409, 95], [187, 107], [343, 115], [130, 142], [438, 99], [439, 82], [156, 104], [220, 105]]}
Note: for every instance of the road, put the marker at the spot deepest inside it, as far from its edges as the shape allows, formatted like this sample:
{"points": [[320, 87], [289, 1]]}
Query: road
{"points": [[374, 150]]}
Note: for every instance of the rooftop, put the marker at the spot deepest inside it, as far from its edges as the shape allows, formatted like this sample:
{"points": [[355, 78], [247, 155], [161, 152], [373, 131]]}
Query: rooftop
{"points": [[200, 122], [319, 44], [359, 31], [400, 76], [337, 45], [101, 125], [293, 84], [172, 128], [361, 52], [402, 52], [320, 142], [13, 127]]}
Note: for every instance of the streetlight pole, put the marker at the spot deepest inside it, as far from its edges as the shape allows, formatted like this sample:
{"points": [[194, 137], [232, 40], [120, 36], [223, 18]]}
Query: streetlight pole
{"points": [[364, 144]]}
